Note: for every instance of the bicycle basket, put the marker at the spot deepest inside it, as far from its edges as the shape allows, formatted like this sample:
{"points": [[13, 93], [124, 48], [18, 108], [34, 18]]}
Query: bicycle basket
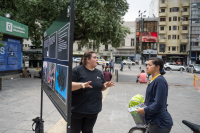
{"points": [[139, 119]]}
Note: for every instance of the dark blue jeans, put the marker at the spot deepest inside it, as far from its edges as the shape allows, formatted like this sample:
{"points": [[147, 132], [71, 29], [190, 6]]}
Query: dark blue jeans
{"points": [[154, 128], [112, 69]]}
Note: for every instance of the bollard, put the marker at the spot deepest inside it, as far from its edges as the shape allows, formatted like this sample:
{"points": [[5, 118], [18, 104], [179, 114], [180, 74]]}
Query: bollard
{"points": [[181, 70], [194, 81], [192, 70], [0, 84], [117, 76], [170, 70]]}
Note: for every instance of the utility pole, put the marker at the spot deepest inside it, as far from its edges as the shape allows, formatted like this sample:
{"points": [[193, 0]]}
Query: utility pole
{"points": [[141, 30]]}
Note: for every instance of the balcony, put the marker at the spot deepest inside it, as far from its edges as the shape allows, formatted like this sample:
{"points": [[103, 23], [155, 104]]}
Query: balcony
{"points": [[195, 47], [185, 23], [185, 13], [186, 4], [163, 5], [184, 41], [162, 23], [184, 32], [163, 14], [162, 41], [162, 32]]}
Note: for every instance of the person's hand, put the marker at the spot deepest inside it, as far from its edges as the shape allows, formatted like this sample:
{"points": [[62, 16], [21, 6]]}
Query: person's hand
{"points": [[140, 111], [86, 84], [109, 84]]}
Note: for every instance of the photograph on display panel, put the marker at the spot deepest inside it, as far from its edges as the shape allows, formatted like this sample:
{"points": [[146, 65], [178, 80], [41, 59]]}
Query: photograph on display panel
{"points": [[51, 75], [63, 44], [45, 68], [46, 47], [61, 82]]}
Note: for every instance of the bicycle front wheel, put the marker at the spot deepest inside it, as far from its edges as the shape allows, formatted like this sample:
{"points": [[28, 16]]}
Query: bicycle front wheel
{"points": [[137, 130]]}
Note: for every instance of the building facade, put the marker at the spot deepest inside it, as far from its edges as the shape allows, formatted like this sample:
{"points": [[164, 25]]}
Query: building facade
{"points": [[154, 8], [149, 28], [194, 39], [174, 30]]}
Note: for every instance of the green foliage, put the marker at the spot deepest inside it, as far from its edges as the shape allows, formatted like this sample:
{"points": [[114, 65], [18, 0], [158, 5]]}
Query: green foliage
{"points": [[97, 20], [1, 38]]}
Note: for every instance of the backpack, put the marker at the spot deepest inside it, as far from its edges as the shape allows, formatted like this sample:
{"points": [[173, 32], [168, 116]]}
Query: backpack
{"points": [[39, 127]]}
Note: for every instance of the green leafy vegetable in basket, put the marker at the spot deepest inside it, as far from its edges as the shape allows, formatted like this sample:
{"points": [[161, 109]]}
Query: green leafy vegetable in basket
{"points": [[136, 100]]}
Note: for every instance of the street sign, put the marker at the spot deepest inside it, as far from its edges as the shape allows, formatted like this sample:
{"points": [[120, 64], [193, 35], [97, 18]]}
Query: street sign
{"points": [[57, 66]]}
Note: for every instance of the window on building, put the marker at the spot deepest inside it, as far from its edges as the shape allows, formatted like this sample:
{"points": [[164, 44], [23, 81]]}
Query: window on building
{"points": [[132, 42], [178, 37], [195, 28], [162, 37], [106, 47], [194, 43], [174, 18], [194, 5], [174, 9], [195, 12], [185, 1], [169, 37], [162, 48], [162, 19], [169, 27], [175, 1], [182, 48], [168, 48], [184, 18], [174, 27], [173, 48], [178, 18], [163, 1], [178, 27], [25, 45], [184, 9], [162, 28], [170, 19], [196, 21], [184, 37], [79, 47], [123, 43], [184, 27], [162, 10], [194, 36], [173, 36]]}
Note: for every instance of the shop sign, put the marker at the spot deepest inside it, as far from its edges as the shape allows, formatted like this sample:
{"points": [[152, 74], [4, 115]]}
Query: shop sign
{"points": [[11, 27]]}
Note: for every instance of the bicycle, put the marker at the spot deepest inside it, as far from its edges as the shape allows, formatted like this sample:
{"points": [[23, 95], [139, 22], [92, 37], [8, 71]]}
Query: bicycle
{"points": [[194, 127], [140, 127]]}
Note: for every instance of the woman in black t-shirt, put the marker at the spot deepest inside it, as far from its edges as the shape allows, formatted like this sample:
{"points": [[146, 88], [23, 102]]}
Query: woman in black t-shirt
{"points": [[87, 84]]}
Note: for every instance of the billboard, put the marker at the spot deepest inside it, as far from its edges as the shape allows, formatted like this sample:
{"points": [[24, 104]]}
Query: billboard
{"points": [[10, 55], [57, 68], [148, 36]]}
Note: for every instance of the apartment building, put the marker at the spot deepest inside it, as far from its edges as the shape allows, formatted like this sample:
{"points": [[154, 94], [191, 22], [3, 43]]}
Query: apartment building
{"points": [[154, 8], [149, 28], [195, 31], [174, 30]]}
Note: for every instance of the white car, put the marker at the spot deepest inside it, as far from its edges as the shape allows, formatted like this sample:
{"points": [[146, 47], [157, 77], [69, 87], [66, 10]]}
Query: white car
{"points": [[101, 61], [173, 66], [77, 60], [128, 62]]}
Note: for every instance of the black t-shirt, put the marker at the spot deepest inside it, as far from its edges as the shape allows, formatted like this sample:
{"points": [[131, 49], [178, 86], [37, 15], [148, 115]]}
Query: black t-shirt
{"points": [[88, 100]]}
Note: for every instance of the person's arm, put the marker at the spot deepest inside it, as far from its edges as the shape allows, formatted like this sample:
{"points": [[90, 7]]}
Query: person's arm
{"points": [[80, 85], [107, 85]]}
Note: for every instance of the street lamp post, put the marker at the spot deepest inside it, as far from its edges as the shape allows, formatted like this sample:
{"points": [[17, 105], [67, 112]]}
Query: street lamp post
{"points": [[141, 30]]}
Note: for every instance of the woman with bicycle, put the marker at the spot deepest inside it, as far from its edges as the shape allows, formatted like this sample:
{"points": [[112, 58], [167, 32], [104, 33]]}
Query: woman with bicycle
{"points": [[156, 114]]}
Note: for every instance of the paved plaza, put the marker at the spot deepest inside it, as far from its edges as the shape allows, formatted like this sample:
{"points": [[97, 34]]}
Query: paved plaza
{"points": [[20, 103]]}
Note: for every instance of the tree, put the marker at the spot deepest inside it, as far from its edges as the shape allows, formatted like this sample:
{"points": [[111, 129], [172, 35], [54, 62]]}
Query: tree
{"points": [[96, 21]]}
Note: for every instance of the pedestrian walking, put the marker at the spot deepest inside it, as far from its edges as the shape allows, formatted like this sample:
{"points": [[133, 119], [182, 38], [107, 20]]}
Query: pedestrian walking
{"points": [[156, 114], [87, 84], [122, 65], [107, 75], [111, 63]]}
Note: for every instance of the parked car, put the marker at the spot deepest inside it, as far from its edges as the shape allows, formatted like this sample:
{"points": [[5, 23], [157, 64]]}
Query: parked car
{"points": [[125, 62], [77, 60], [100, 61], [196, 68], [173, 66]]}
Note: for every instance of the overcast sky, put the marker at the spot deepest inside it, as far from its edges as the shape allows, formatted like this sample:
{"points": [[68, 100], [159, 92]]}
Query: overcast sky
{"points": [[134, 7]]}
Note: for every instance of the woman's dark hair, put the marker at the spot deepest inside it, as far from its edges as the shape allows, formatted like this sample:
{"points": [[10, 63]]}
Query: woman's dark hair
{"points": [[158, 62], [85, 56], [142, 71]]}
